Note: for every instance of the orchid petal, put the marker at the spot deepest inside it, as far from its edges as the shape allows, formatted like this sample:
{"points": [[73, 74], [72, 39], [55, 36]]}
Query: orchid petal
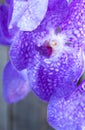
{"points": [[22, 51], [28, 14], [5, 34], [74, 25], [56, 13], [3, 41], [15, 84], [8, 1], [68, 114], [3, 23], [57, 73]]}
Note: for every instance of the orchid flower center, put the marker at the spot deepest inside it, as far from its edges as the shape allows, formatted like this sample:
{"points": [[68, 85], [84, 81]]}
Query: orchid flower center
{"points": [[57, 42], [53, 44]]}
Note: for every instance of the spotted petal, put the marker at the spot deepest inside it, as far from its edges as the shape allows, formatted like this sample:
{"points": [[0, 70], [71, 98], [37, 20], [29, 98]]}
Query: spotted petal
{"points": [[57, 11], [28, 14], [22, 51], [74, 26], [15, 84], [58, 73], [68, 114]]}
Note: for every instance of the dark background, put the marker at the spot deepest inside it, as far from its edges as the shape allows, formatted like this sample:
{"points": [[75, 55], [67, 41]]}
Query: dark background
{"points": [[28, 114]]}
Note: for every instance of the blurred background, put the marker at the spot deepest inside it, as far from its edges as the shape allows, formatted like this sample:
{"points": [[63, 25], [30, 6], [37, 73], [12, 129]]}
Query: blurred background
{"points": [[28, 114]]}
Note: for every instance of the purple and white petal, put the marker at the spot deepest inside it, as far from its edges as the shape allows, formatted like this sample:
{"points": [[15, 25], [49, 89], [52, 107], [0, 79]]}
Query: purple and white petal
{"points": [[74, 25], [59, 72], [55, 14], [28, 14], [22, 51], [68, 114], [15, 84]]}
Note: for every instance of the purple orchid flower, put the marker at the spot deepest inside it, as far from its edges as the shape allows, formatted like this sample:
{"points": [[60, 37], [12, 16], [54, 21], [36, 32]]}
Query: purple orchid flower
{"points": [[24, 42], [46, 56], [35, 42], [7, 35], [68, 113]]}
